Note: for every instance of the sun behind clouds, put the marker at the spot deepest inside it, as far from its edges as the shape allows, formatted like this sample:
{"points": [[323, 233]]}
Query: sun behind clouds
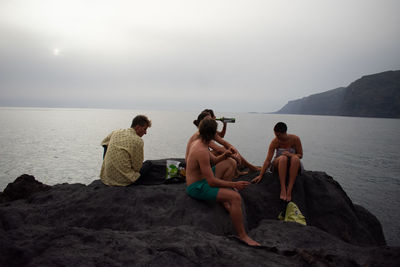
{"points": [[56, 52]]}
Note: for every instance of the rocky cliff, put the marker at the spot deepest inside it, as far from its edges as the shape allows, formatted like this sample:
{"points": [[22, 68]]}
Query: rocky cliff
{"points": [[157, 224], [376, 95]]}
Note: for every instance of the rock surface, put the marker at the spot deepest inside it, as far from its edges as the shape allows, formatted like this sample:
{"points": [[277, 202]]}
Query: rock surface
{"points": [[154, 224]]}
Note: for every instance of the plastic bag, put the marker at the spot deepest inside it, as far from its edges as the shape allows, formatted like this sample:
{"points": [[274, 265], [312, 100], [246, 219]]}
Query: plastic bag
{"points": [[176, 172], [292, 213]]}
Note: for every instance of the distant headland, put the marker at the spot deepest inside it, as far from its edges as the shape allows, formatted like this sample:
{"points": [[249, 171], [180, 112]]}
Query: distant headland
{"points": [[376, 95]]}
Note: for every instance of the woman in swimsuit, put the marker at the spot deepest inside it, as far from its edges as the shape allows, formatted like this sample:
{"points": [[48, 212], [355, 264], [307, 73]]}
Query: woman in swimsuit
{"points": [[288, 151]]}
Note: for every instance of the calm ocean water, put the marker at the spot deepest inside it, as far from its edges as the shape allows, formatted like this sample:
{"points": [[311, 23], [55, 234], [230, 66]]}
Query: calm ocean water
{"points": [[63, 146]]}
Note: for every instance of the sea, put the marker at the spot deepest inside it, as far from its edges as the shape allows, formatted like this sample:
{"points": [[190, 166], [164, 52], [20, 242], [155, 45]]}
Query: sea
{"points": [[60, 145]]}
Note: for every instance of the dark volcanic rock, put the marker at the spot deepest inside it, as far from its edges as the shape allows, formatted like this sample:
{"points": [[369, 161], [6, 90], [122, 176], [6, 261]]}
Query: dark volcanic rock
{"points": [[142, 225], [376, 95], [23, 187], [326, 103], [322, 201]]}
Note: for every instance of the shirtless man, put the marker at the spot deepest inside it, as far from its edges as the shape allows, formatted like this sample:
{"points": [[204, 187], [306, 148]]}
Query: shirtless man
{"points": [[202, 184], [220, 149], [224, 165], [288, 150]]}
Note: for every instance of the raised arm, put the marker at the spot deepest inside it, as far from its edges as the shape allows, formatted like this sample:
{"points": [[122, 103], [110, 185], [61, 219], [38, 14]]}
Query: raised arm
{"points": [[223, 131]]}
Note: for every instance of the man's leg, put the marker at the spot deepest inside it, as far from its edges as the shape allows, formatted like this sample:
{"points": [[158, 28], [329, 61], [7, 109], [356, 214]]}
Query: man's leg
{"points": [[281, 164], [226, 169], [235, 211], [249, 165], [293, 171], [146, 168]]}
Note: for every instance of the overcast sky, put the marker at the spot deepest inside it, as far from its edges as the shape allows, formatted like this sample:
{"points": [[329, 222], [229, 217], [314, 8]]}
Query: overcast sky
{"points": [[228, 55]]}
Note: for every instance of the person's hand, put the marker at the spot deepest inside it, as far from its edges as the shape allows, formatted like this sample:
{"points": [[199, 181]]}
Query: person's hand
{"points": [[234, 150], [240, 184], [237, 158], [227, 153], [287, 153], [220, 150], [257, 179]]}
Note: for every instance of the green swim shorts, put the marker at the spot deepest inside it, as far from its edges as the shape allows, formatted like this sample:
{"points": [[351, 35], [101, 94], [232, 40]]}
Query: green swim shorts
{"points": [[202, 190]]}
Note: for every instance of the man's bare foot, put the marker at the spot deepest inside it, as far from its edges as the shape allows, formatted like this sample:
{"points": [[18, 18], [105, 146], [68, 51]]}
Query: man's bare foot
{"points": [[249, 241]]}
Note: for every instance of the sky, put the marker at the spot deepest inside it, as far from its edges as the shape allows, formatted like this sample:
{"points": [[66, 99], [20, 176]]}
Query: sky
{"points": [[228, 55]]}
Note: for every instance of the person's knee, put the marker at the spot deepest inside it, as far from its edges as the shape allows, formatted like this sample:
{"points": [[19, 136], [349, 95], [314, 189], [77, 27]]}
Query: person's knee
{"points": [[282, 160], [231, 162], [294, 159], [226, 164], [230, 167], [236, 198]]}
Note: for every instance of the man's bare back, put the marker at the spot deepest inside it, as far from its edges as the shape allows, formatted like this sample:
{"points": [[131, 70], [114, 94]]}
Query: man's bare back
{"points": [[196, 150]]}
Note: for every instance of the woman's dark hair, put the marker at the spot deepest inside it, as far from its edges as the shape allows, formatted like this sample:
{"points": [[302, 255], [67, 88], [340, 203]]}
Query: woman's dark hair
{"points": [[201, 116], [209, 111], [280, 127], [207, 129], [141, 120]]}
